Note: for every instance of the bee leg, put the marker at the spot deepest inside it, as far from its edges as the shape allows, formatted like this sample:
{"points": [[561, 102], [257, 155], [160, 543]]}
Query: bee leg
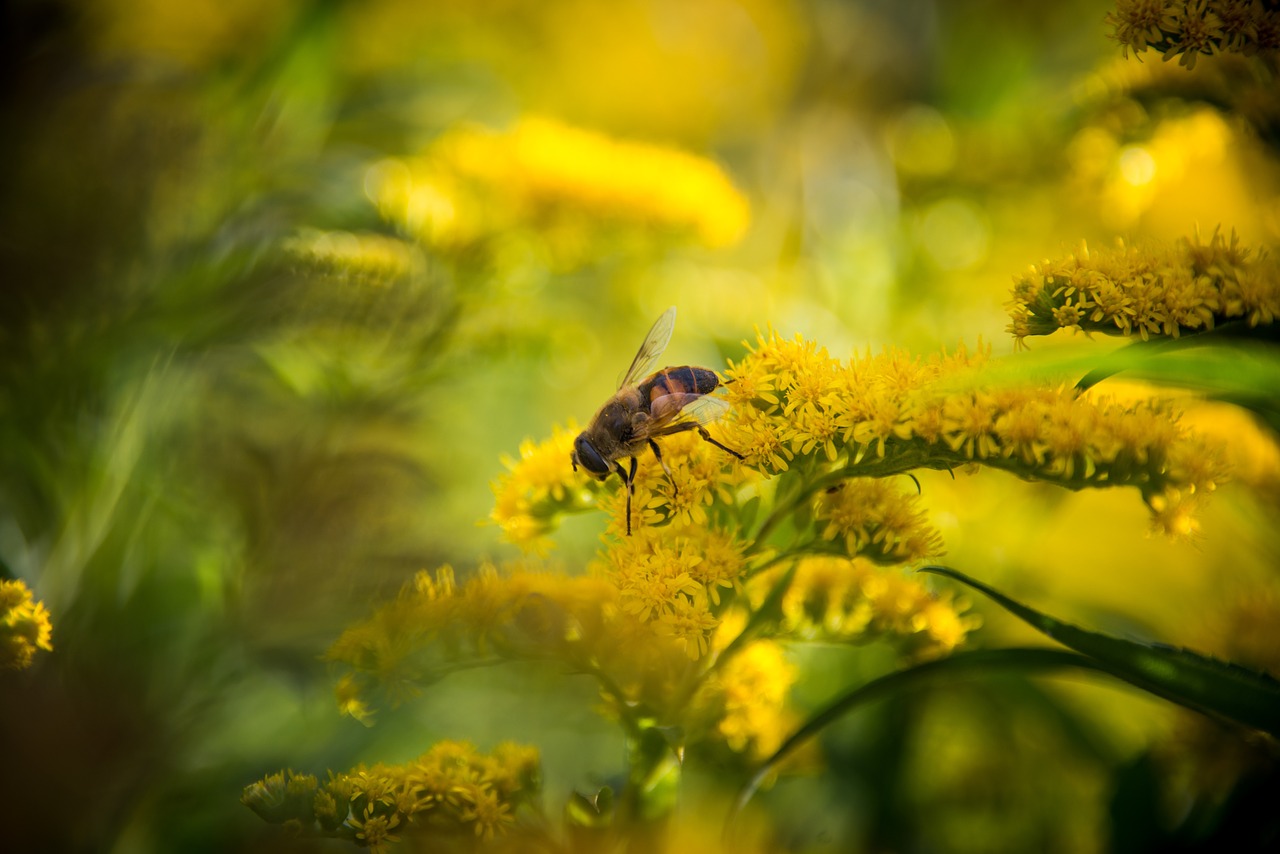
{"points": [[702, 431], [657, 452], [630, 480]]}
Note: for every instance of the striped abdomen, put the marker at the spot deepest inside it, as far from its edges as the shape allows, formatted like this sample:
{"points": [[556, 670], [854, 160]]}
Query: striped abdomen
{"points": [[684, 380]]}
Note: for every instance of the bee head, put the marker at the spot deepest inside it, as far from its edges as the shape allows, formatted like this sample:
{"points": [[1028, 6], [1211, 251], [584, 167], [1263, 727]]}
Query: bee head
{"points": [[585, 455]]}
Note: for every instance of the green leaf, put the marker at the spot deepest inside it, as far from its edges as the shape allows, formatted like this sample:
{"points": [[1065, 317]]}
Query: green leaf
{"points": [[1205, 684], [802, 517], [747, 515]]}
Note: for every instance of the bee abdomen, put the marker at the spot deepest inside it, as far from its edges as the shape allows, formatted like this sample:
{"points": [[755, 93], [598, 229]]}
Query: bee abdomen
{"points": [[685, 379]]}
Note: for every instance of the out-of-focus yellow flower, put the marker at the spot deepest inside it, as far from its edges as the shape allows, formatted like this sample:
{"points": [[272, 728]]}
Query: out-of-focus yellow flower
{"points": [[569, 184], [347, 693], [620, 623], [748, 699], [1251, 449], [1148, 291], [24, 626]]}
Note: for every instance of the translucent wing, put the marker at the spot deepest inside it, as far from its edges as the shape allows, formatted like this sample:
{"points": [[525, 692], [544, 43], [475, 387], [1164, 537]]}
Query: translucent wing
{"points": [[675, 413], [654, 343], [705, 409]]}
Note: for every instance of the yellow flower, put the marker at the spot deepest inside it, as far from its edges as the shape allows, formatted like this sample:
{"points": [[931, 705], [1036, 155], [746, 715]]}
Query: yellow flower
{"points": [[750, 382], [482, 807], [968, 424], [944, 624], [815, 428], [1190, 28], [1139, 23], [760, 440], [325, 808], [538, 486], [374, 831], [722, 562], [748, 699], [1199, 31], [853, 600], [896, 413], [513, 767], [690, 487], [1173, 512], [877, 520], [1252, 451], [24, 626], [567, 183], [450, 787], [653, 574], [1150, 291], [610, 621], [690, 622]]}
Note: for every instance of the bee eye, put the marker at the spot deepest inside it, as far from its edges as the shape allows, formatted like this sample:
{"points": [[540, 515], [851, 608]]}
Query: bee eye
{"points": [[585, 454]]}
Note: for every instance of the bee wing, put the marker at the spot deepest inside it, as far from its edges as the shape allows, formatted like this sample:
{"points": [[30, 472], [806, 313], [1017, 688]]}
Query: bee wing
{"points": [[673, 412], [654, 343], [705, 409]]}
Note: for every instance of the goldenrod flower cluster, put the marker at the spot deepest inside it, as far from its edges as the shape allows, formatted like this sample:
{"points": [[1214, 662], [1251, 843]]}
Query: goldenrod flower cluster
{"points": [[24, 626], [1191, 28], [569, 184], [450, 791], [1162, 291], [877, 520], [888, 414]]}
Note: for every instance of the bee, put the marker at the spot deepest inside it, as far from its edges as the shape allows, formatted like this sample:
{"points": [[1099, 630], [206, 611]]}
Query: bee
{"points": [[672, 400]]}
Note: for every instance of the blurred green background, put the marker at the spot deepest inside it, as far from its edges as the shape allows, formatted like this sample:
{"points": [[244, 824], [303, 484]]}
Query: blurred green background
{"points": [[220, 445]]}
